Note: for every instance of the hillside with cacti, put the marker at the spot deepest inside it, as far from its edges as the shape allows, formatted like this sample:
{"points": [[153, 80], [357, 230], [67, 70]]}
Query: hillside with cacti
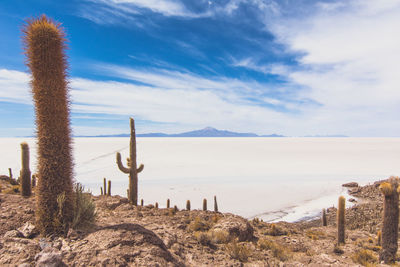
{"points": [[145, 235]]}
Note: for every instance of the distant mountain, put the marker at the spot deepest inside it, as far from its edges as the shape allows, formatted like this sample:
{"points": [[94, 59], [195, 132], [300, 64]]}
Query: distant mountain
{"points": [[206, 132]]}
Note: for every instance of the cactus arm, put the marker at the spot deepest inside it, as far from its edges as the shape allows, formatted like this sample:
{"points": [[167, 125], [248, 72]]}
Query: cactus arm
{"points": [[141, 167], [120, 165]]}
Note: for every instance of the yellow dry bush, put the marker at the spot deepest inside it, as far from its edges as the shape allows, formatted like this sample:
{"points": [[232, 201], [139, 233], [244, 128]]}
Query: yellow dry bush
{"points": [[365, 258], [238, 251], [278, 251]]}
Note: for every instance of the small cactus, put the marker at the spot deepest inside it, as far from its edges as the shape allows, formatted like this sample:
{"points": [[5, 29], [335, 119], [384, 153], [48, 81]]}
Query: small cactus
{"points": [[105, 186], [341, 220], [324, 221], [168, 203], [141, 202], [379, 238], [109, 188], [101, 191], [390, 223], [215, 204], [187, 204], [204, 204], [156, 205], [10, 173], [132, 169], [175, 209], [33, 180], [25, 173]]}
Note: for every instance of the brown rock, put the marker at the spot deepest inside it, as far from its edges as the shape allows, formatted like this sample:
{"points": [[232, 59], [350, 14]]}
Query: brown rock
{"points": [[28, 230], [49, 257], [351, 184]]}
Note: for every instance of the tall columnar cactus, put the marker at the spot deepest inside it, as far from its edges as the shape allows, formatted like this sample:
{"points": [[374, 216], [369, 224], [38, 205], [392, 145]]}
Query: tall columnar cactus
{"points": [[215, 204], [324, 221], [204, 204], [390, 220], [341, 220], [168, 203], [188, 205], [132, 169], [44, 47], [25, 173]]}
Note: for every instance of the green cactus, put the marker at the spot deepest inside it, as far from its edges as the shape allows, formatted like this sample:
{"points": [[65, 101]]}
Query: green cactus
{"points": [[390, 223], [204, 204], [187, 204], [324, 221], [132, 169], [341, 220], [215, 204], [44, 47], [25, 173]]}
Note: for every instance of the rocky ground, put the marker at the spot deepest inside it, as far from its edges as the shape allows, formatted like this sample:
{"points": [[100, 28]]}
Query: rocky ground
{"points": [[125, 235]]}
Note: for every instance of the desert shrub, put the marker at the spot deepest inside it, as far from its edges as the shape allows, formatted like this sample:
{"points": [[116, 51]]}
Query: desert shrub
{"points": [[203, 238], [238, 251], [84, 210], [277, 250], [198, 225], [275, 231], [365, 258], [220, 237], [215, 218], [315, 235]]}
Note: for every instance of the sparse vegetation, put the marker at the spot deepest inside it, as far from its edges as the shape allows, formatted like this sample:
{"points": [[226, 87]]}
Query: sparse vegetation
{"points": [[365, 258], [274, 230], [199, 225], [84, 211], [278, 251], [238, 251]]}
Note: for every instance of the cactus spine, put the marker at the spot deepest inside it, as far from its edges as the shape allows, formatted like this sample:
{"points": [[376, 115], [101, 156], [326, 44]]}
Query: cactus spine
{"points": [[44, 47], [390, 223], [215, 204], [188, 205], [132, 169], [324, 221], [204, 204], [341, 220], [25, 171]]}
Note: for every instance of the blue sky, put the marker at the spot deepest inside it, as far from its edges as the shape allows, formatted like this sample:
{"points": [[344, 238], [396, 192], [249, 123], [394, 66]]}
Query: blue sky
{"points": [[293, 67]]}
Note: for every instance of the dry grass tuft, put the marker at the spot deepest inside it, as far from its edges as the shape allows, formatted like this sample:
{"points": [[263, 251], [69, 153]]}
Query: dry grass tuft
{"points": [[238, 251], [198, 225], [365, 258], [275, 230], [278, 251]]}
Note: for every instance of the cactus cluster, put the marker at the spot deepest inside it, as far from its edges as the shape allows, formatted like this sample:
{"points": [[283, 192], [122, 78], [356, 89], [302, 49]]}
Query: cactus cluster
{"points": [[106, 191], [132, 169], [44, 47]]}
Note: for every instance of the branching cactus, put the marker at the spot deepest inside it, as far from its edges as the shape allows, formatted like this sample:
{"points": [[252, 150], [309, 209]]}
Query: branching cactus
{"points": [[25, 171], [341, 220], [132, 169], [390, 223], [44, 47]]}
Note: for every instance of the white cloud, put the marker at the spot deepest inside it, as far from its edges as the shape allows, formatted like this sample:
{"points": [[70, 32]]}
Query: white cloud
{"points": [[14, 86], [348, 62]]}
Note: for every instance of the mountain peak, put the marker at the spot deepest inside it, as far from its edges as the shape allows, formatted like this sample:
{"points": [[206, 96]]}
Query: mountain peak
{"points": [[209, 129]]}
